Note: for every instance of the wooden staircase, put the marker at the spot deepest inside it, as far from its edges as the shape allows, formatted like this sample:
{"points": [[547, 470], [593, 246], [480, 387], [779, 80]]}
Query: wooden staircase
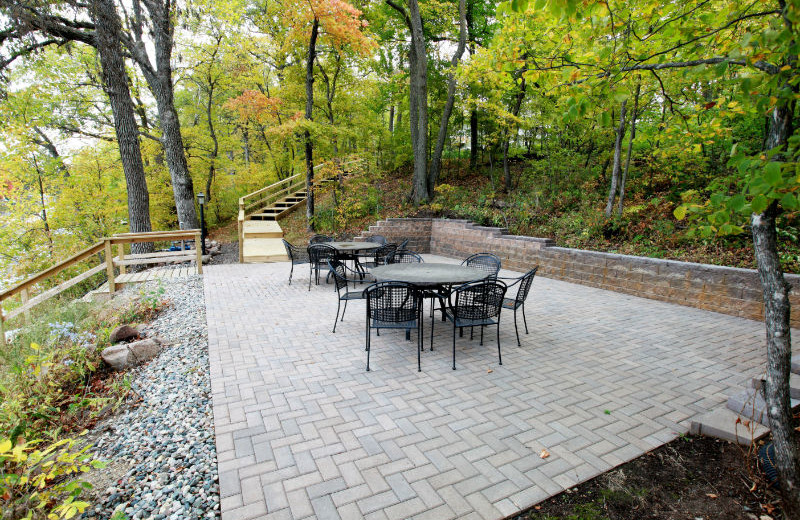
{"points": [[259, 232]]}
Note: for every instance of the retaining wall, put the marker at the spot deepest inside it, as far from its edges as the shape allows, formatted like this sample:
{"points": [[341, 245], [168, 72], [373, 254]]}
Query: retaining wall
{"points": [[722, 289]]}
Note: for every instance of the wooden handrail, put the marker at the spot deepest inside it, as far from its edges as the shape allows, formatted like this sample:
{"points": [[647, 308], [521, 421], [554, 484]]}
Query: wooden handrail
{"points": [[23, 288], [47, 273]]}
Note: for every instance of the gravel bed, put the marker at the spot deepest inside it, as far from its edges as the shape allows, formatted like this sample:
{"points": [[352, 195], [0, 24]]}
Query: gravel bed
{"points": [[161, 452]]}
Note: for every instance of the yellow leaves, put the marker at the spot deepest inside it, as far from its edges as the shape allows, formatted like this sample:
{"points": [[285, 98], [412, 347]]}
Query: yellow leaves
{"points": [[5, 445], [575, 75], [785, 68]]}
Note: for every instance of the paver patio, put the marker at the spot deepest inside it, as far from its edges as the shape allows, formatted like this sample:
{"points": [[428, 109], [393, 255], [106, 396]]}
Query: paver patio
{"points": [[304, 431]]}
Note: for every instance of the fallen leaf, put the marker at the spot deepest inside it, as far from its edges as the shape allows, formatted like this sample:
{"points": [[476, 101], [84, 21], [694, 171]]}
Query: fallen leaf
{"points": [[489, 371], [544, 454], [711, 495]]}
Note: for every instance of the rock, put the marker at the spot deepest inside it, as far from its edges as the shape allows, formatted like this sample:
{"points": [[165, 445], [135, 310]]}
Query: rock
{"points": [[123, 333], [120, 357]]}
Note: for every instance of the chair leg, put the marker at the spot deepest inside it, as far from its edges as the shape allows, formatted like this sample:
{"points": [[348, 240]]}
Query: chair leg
{"points": [[516, 329], [482, 327], [471, 333], [499, 357], [419, 345], [310, 275], [368, 331], [523, 318], [345, 309], [291, 270], [454, 345], [433, 318], [338, 304]]}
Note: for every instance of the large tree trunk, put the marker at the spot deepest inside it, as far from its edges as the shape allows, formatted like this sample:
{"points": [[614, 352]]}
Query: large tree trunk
{"points": [[159, 78], [612, 192], [631, 137], [473, 115], [418, 105], [436, 160], [312, 53], [391, 119], [506, 135], [115, 82], [777, 311]]}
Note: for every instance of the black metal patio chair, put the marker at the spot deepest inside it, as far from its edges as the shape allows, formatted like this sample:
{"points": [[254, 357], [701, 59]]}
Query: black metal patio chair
{"points": [[318, 256], [297, 255], [404, 256], [320, 239], [377, 239], [339, 272], [475, 304], [394, 305], [518, 301], [378, 255], [484, 261]]}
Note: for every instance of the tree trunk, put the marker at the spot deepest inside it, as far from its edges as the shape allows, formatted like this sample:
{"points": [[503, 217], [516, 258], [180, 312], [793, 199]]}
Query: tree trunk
{"points": [[312, 53], [515, 111], [777, 311], [43, 215], [631, 137], [159, 78], [436, 160], [612, 192], [391, 119], [212, 155], [418, 104], [115, 83]]}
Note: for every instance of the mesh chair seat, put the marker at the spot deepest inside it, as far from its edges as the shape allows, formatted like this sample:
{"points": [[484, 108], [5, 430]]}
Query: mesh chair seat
{"points": [[297, 256], [475, 304], [318, 255], [518, 301], [338, 271], [484, 261], [394, 305], [320, 239], [379, 255], [404, 256]]}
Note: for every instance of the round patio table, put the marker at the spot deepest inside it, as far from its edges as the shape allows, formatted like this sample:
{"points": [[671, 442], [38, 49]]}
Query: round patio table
{"points": [[353, 247], [427, 274], [350, 250]]}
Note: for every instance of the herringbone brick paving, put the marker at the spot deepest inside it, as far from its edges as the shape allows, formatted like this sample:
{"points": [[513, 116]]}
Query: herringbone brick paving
{"points": [[303, 431]]}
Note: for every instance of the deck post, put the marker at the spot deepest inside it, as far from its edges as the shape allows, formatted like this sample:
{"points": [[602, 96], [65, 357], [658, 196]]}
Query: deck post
{"points": [[198, 247], [121, 255], [27, 312], [109, 267]]}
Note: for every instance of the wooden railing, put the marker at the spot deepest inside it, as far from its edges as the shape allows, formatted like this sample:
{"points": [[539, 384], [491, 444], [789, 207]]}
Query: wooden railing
{"points": [[24, 289], [260, 199]]}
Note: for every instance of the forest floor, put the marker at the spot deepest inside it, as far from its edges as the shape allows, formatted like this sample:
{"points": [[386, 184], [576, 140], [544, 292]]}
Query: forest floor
{"points": [[689, 478]]}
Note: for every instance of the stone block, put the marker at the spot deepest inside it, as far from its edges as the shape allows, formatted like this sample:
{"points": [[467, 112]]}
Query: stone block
{"points": [[794, 385], [727, 425]]}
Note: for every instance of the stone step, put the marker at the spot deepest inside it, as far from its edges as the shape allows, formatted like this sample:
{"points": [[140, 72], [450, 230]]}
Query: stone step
{"points": [[794, 385], [750, 403], [727, 425]]}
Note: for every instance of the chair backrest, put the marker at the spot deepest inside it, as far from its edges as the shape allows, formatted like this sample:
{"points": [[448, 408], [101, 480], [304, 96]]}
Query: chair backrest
{"points": [[320, 239], [339, 274], [525, 284], [320, 253], [478, 300], [484, 261], [392, 302], [294, 253], [403, 244], [404, 256], [378, 239], [381, 253]]}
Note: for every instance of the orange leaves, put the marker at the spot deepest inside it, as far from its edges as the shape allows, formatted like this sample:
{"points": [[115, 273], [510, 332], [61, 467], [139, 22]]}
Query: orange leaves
{"points": [[252, 105], [337, 18]]}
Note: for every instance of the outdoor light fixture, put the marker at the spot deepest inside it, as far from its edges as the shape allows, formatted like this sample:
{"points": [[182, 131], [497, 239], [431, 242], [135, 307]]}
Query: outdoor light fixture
{"points": [[201, 200]]}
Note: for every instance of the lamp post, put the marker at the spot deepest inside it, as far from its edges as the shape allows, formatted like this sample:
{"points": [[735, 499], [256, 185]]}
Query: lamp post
{"points": [[201, 200]]}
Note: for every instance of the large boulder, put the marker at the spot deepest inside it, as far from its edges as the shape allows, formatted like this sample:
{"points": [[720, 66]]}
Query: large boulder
{"points": [[128, 355], [123, 333]]}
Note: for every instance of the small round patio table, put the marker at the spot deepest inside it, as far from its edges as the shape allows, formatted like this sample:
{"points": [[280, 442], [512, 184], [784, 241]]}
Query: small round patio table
{"points": [[350, 250]]}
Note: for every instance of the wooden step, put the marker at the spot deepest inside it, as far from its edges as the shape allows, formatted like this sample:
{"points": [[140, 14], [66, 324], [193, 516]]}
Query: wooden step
{"points": [[259, 250], [262, 229]]}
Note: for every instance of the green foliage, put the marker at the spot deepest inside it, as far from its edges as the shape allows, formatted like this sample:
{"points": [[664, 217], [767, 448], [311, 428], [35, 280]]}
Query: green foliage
{"points": [[40, 482]]}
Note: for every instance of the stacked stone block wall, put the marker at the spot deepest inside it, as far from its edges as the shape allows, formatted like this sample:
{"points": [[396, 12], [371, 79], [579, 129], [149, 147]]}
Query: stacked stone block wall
{"points": [[722, 289]]}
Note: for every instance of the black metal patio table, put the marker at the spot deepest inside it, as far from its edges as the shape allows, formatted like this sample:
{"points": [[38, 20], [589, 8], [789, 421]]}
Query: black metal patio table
{"points": [[431, 277], [350, 251]]}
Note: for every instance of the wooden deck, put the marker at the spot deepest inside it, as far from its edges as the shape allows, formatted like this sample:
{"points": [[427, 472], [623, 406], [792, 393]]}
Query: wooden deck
{"points": [[157, 273]]}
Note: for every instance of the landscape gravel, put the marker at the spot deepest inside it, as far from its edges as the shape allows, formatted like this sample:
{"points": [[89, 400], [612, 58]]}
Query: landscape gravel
{"points": [[164, 443]]}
